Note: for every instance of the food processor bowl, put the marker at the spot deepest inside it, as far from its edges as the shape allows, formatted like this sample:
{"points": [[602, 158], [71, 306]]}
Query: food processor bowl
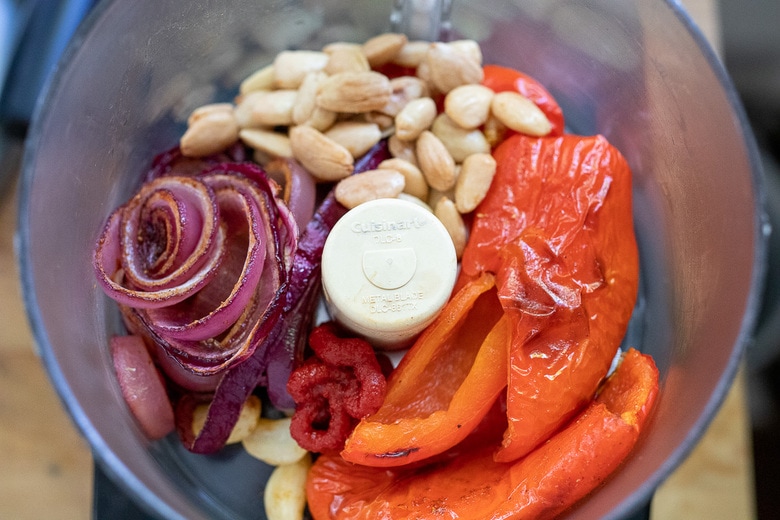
{"points": [[638, 72]]}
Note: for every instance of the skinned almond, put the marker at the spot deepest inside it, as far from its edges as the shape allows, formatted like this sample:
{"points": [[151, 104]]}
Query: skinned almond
{"points": [[404, 89], [324, 158], [474, 179], [356, 136], [212, 128], [448, 215], [383, 48], [414, 181], [402, 149], [412, 54], [290, 67], [450, 67], [346, 58], [459, 141], [520, 114], [245, 106], [305, 110], [468, 105], [416, 117], [262, 79], [272, 143], [274, 108], [369, 185], [435, 161], [354, 92]]}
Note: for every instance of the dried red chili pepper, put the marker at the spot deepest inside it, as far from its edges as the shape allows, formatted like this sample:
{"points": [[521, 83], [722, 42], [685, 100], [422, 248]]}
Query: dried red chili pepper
{"points": [[333, 389], [466, 482], [556, 228]]}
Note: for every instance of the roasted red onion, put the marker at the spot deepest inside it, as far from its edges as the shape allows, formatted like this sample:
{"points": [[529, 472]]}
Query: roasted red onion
{"points": [[200, 264], [142, 387], [208, 268], [162, 246], [273, 361]]}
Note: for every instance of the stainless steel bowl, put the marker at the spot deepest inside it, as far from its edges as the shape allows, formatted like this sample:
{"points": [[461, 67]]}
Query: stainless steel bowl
{"points": [[638, 72]]}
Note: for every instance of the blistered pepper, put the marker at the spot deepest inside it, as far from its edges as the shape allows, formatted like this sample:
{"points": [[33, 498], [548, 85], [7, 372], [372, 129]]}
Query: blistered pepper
{"points": [[333, 389], [502, 79], [468, 483], [556, 229], [443, 386]]}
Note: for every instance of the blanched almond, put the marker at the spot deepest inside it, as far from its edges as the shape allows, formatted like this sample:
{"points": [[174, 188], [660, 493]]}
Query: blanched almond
{"points": [[383, 121], [212, 129], [305, 111], [332, 47], [354, 92], [272, 443], [520, 114], [434, 196], [412, 54], [369, 185], [415, 200], [435, 161], [324, 158], [290, 67], [403, 90], [346, 58], [274, 107], [402, 149], [274, 144], [474, 179], [494, 130], [468, 105], [206, 110], [459, 142], [245, 107], [450, 67], [416, 117], [470, 48], [284, 496], [357, 137], [383, 48], [262, 79], [414, 181], [448, 214]]}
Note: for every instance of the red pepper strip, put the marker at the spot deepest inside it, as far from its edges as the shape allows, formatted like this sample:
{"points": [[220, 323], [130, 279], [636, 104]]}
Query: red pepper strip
{"points": [[443, 386], [556, 228], [469, 484], [502, 79], [340, 384]]}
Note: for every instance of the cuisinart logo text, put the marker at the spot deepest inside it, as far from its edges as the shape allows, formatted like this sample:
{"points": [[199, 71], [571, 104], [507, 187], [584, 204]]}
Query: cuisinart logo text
{"points": [[378, 226]]}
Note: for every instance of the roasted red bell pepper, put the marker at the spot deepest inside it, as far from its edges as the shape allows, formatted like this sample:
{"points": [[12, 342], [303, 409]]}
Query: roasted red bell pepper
{"points": [[502, 79], [468, 483], [443, 386], [556, 229]]}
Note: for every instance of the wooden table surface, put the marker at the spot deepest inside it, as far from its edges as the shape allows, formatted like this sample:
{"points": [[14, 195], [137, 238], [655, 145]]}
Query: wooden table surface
{"points": [[46, 467]]}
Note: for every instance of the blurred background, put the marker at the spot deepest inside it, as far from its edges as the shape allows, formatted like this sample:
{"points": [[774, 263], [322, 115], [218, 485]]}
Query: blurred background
{"points": [[44, 447], [751, 53]]}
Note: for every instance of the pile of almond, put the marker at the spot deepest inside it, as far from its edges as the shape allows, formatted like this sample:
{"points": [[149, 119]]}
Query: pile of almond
{"points": [[326, 108]]}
